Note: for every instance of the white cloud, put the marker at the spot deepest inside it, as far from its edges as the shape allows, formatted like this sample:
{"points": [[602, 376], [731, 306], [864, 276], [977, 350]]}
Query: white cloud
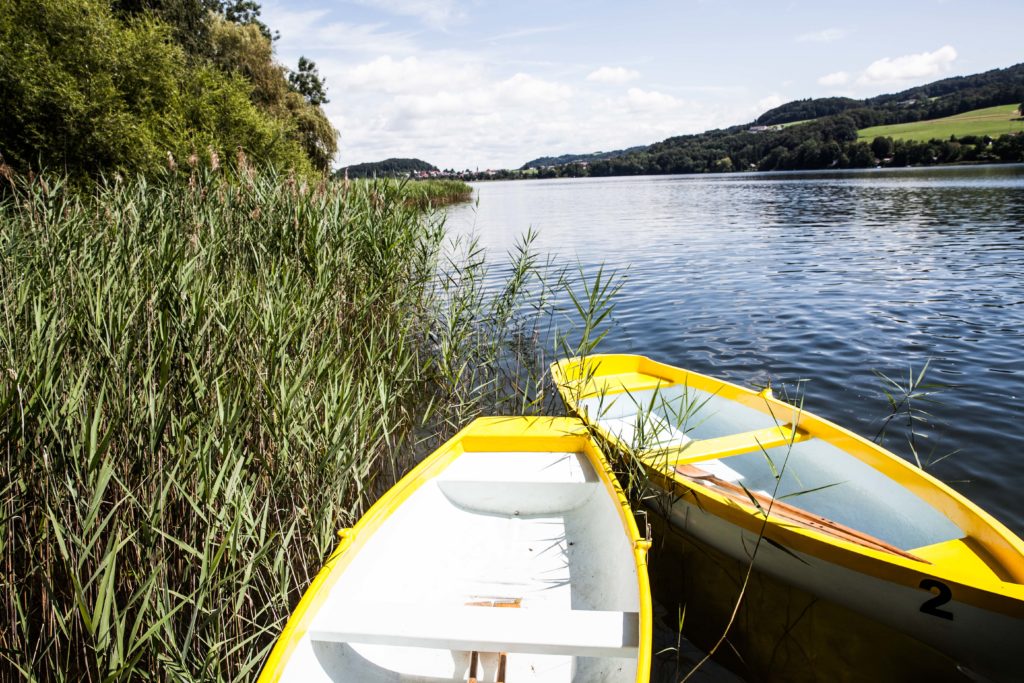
{"points": [[438, 14], [766, 103], [358, 38], [408, 75], [828, 35], [391, 96], [651, 101], [520, 92], [835, 79], [527, 33], [615, 75], [909, 67], [528, 90], [307, 31]]}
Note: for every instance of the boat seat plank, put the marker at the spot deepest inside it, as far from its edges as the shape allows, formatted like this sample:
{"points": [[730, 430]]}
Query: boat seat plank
{"points": [[620, 383], [724, 446], [519, 498], [582, 633]]}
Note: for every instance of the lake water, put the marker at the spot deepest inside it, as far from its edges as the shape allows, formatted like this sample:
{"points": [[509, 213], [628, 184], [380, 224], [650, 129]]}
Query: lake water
{"points": [[824, 277]]}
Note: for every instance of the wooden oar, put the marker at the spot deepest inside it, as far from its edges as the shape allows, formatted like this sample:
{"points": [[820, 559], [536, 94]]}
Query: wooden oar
{"points": [[795, 514]]}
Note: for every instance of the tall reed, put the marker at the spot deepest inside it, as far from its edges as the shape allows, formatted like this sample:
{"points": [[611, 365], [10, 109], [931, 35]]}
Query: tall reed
{"points": [[200, 383]]}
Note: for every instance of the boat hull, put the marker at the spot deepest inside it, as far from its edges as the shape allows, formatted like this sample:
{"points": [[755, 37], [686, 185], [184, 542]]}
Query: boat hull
{"points": [[779, 632], [984, 642]]}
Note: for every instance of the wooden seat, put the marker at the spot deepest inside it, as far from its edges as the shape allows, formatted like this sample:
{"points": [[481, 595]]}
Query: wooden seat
{"points": [[582, 633], [724, 446]]}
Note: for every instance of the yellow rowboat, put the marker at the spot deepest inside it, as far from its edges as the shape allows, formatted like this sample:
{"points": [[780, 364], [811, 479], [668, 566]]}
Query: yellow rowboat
{"points": [[843, 518], [509, 554]]}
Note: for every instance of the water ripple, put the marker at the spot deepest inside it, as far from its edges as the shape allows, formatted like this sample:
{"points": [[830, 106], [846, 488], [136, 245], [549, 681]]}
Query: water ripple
{"points": [[819, 276]]}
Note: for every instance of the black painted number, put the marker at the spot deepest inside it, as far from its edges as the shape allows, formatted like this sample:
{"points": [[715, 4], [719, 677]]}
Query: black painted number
{"points": [[943, 596]]}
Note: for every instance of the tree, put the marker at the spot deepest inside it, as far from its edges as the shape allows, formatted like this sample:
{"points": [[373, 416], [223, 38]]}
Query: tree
{"points": [[246, 13], [245, 50], [308, 83], [89, 90], [188, 19], [860, 155], [882, 147], [723, 165]]}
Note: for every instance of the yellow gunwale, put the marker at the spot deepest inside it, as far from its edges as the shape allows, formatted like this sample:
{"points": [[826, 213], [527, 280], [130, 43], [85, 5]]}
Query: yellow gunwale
{"points": [[605, 371], [489, 433]]}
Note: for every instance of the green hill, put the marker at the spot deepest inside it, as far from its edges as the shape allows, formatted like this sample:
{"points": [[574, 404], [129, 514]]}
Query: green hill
{"points": [[939, 99], [542, 162], [990, 121], [837, 132], [389, 168]]}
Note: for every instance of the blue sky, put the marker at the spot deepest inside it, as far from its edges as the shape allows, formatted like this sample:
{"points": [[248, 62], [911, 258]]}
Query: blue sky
{"points": [[481, 84]]}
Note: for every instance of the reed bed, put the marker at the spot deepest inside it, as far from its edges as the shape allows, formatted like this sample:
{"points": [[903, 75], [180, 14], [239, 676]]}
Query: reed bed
{"points": [[201, 382], [429, 194]]}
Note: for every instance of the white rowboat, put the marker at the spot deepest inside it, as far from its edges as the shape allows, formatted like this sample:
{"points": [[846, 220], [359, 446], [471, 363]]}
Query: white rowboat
{"points": [[510, 554], [843, 518]]}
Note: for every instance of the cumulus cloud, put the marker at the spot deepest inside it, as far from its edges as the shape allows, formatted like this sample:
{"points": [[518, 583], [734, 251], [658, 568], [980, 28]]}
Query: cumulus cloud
{"points": [[651, 101], [521, 91], [529, 90], [909, 67], [408, 75], [615, 75], [835, 79], [828, 35]]}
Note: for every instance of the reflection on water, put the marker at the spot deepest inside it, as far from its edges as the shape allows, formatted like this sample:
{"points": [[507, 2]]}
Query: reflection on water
{"points": [[817, 276]]}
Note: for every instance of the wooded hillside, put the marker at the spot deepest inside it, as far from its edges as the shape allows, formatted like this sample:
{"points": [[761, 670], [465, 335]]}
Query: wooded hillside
{"points": [[389, 168], [935, 100], [823, 133]]}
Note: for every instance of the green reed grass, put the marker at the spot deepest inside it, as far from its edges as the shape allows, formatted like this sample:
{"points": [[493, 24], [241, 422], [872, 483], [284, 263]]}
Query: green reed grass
{"points": [[906, 414], [200, 382], [427, 194]]}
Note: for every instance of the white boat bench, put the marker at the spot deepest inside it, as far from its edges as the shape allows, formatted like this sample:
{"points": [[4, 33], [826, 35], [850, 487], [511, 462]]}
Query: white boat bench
{"points": [[582, 633]]}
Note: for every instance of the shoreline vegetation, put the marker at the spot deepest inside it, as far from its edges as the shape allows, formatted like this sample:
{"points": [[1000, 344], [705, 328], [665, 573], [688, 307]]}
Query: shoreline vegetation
{"points": [[939, 142], [432, 194], [203, 379]]}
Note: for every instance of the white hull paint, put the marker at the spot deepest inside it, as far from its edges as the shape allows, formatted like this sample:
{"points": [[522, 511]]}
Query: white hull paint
{"points": [[988, 644]]}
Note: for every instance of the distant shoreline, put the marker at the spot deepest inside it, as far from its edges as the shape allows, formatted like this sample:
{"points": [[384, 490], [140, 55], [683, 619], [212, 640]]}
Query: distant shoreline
{"points": [[773, 172]]}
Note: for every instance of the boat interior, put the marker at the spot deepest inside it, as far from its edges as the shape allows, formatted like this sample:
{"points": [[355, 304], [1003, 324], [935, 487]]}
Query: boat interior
{"points": [[815, 475], [749, 447], [506, 566]]}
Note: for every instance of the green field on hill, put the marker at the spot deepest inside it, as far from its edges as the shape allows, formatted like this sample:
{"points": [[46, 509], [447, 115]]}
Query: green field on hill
{"points": [[994, 121]]}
